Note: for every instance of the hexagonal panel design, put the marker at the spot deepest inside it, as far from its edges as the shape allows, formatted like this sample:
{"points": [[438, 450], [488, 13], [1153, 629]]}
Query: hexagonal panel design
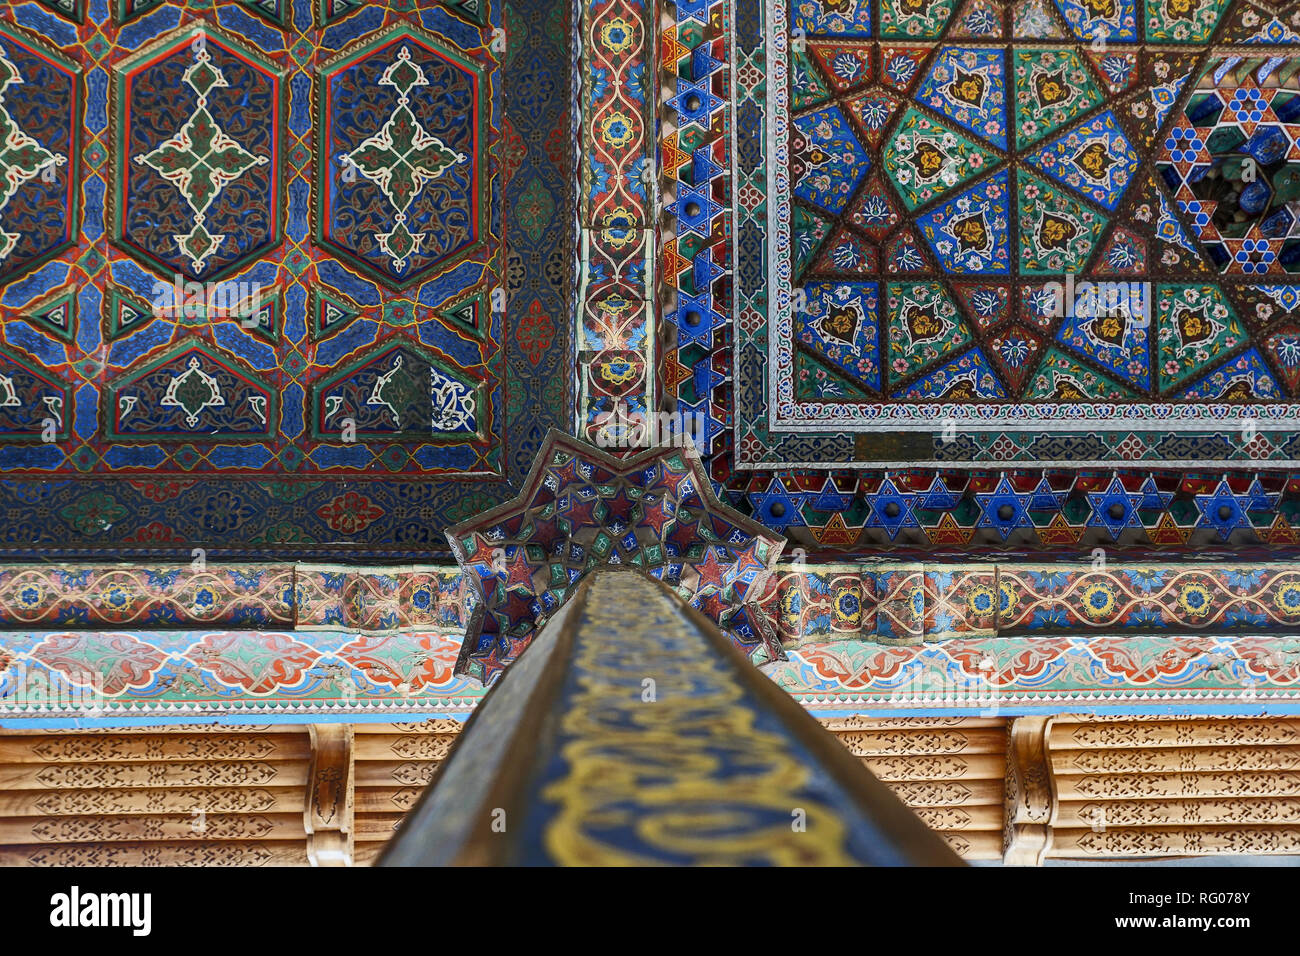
{"points": [[168, 315], [1231, 158], [40, 135], [401, 187], [197, 143], [193, 392]]}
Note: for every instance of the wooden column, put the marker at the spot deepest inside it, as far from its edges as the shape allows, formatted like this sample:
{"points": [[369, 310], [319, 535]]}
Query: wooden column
{"points": [[329, 811], [1030, 801]]}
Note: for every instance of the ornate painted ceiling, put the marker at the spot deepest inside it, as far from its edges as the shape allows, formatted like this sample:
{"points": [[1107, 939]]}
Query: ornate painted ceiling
{"points": [[278, 277], [984, 316], [969, 275], [922, 276]]}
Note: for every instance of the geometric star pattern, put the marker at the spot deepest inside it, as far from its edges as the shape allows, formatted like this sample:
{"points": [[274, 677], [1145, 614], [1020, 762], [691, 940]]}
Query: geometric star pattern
{"points": [[968, 185]]}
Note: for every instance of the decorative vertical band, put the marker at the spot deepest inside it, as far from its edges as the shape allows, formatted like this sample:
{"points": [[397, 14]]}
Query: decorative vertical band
{"points": [[617, 206]]}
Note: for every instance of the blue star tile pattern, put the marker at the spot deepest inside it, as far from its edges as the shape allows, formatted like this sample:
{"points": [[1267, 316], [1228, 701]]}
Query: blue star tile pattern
{"points": [[706, 270], [695, 209], [938, 497], [891, 509], [694, 103], [703, 63], [1114, 509], [1153, 499], [1044, 497], [696, 318], [830, 498], [691, 10], [702, 412], [777, 508], [1224, 510], [1003, 509]]}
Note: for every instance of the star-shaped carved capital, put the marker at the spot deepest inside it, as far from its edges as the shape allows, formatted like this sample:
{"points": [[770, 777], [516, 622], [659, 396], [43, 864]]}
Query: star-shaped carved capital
{"points": [[593, 491]]}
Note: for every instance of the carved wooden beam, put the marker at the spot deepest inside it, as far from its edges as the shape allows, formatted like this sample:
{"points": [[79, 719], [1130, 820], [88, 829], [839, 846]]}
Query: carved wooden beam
{"points": [[188, 853], [1129, 788], [186, 800], [1122, 842], [1150, 786], [1070, 733], [632, 731], [133, 748], [150, 826], [180, 773]]}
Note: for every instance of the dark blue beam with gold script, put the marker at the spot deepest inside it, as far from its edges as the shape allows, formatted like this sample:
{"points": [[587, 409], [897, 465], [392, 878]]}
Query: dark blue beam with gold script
{"points": [[632, 731]]}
